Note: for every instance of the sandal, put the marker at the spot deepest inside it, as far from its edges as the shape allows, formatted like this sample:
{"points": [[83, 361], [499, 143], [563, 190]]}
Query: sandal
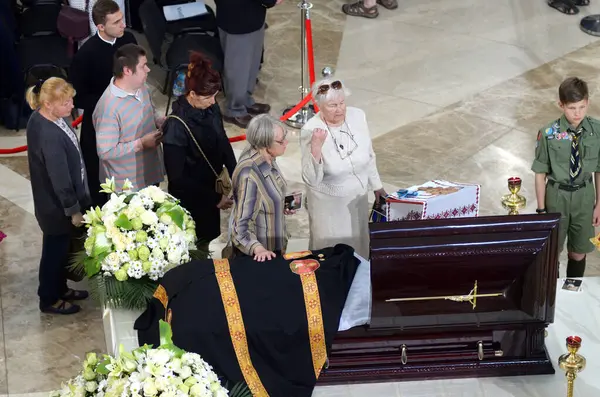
{"points": [[75, 295], [564, 6], [358, 9], [393, 4], [61, 307]]}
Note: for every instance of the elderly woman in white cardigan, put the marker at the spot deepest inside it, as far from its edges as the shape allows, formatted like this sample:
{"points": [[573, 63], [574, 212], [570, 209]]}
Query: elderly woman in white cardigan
{"points": [[339, 169]]}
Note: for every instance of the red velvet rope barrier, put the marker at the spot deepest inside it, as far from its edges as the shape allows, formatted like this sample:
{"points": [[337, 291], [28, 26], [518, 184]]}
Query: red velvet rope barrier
{"points": [[14, 150], [310, 52], [20, 149], [311, 56], [238, 138], [296, 108], [77, 121]]}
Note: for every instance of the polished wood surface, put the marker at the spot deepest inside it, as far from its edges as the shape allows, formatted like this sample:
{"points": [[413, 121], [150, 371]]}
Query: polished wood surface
{"points": [[416, 333]]}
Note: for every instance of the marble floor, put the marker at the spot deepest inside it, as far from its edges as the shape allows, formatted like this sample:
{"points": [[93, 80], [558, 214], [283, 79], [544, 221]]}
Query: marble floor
{"points": [[452, 89]]}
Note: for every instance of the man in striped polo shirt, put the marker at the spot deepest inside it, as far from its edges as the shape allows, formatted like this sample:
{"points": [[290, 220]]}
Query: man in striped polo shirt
{"points": [[127, 126]]}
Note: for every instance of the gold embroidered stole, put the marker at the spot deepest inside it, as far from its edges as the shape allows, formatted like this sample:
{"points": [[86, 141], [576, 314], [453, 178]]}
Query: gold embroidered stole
{"points": [[237, 329], [316, 330]]}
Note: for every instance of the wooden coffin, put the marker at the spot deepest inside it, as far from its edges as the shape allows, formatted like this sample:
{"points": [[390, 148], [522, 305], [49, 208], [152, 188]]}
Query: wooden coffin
{"points": [[454, 298]]}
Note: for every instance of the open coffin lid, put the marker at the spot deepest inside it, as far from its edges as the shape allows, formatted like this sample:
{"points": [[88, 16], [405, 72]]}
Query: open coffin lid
{"points": [[454, 298]]}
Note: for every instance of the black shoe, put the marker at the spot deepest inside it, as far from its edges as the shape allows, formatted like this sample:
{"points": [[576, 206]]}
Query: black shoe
{"points": [[575, 268], [259, 108], [61, 307], [75, 295], [241, 121]]}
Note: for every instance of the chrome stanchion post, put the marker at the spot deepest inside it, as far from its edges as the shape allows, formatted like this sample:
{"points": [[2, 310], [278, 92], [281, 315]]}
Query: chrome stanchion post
{"points": [[302, 116], [327, 72], [305, 83]]}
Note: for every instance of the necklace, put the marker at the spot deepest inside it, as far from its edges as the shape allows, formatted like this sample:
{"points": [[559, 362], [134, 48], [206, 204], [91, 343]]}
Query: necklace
{"points": [[351, 145]]}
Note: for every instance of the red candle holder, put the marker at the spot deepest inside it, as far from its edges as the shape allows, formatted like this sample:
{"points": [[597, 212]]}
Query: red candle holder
{"points": [[574, 341], [572, 362], [513, 201]]}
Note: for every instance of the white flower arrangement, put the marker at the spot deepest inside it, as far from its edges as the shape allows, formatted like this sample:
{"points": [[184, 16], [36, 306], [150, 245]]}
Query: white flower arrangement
{"points": [[134, 240], [166, 371], [137, 234]]}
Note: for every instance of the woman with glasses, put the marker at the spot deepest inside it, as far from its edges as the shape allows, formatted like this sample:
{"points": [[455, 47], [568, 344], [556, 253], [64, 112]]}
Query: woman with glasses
{"points": [[339, 169], [259, 189]]}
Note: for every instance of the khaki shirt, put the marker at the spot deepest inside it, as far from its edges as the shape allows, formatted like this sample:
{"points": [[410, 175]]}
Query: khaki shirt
{"points": [[553, 150]]}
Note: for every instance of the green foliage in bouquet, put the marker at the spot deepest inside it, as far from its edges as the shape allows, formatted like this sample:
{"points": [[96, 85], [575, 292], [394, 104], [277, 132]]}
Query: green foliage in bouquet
{"points": [[131, 242], [166, 371]]}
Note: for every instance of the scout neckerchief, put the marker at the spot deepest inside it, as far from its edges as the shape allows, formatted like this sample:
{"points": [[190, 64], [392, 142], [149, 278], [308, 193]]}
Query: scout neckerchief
{"points": [[575, 168], [574, 136]]}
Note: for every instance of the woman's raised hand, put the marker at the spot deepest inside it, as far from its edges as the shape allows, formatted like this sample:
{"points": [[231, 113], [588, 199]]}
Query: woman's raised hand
{"points": [[318, 136]]}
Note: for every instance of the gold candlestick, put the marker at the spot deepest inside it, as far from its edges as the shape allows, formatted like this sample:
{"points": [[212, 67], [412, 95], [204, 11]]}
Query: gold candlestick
{"points": [[571, 362], [513, 201]]}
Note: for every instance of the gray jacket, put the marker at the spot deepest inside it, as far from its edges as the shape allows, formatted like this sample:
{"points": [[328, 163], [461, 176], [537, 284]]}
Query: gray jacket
{"points": [[56, 181]]}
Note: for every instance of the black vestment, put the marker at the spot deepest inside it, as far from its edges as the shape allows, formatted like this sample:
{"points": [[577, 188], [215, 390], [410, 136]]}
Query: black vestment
{"points": [[273, 309]]}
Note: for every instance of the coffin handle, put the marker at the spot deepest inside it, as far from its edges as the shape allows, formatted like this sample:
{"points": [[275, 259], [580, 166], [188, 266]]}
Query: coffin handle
{"points": [[404, 355], [480, 350]]}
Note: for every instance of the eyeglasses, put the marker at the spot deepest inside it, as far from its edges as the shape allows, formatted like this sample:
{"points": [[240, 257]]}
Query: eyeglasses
{"points": [[336, 85]]}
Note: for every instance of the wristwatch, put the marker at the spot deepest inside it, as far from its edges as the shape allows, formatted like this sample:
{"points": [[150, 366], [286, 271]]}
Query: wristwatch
{"points": [[541, 210]]}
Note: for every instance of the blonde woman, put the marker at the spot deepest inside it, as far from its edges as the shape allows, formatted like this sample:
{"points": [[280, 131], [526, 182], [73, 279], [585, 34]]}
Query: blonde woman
{"points": [[59, 186]]}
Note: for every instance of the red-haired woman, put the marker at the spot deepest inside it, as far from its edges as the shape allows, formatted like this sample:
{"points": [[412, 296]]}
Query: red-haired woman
{"points": [[191, 179]]}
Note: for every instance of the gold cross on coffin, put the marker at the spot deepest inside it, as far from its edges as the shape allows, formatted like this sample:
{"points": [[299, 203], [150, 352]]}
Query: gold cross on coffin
{"points": [[471, 297]]}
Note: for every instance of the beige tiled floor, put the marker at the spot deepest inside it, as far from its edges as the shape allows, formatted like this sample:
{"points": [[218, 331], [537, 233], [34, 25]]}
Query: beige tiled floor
{"points": [[452, 89]]}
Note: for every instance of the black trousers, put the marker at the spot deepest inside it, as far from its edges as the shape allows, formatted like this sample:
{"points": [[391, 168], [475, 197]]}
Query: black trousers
{"points": [[91, 160], [53, 268]]}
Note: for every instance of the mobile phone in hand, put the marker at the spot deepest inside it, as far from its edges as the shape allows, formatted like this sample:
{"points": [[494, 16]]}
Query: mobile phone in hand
{"points": [[293, 201]]}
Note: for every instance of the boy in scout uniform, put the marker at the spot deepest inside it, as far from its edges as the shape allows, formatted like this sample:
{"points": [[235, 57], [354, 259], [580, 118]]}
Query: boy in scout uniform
{"points": [[566, 166]]}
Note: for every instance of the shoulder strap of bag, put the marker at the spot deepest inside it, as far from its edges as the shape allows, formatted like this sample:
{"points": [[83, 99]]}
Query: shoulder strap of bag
{"points": [[195, 141]]}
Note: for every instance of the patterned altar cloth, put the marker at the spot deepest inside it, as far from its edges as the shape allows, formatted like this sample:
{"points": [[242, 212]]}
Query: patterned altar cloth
{"points": [[434, 200]]}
